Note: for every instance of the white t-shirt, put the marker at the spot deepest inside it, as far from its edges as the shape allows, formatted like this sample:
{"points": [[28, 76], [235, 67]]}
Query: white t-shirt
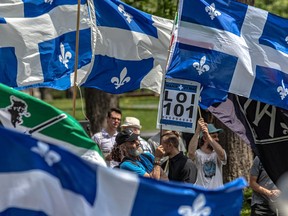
{"points": [[106, 143], [209, 169]]}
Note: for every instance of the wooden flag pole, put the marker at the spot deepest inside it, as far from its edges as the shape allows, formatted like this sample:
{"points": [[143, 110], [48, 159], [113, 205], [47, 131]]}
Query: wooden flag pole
{"points": [[76, 58], [199, 110]]}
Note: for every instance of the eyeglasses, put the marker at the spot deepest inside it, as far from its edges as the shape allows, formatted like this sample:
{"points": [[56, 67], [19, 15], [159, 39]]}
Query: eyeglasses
{"points": [[114, 119]]}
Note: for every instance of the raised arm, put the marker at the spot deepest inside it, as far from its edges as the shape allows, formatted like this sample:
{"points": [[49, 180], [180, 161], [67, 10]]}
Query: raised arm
{"points": [[194, 140], [215, 145]]}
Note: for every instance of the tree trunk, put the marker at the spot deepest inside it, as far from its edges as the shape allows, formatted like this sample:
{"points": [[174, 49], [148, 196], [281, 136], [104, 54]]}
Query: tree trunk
{"points": [[97, 104], [239, 154]]}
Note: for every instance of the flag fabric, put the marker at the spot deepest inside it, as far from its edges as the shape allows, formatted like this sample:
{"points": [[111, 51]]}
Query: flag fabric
{"points": [[29, 115], [263, 126], [43, 179], [120, 48], [232, 47], [131, 48], [38, 40]]}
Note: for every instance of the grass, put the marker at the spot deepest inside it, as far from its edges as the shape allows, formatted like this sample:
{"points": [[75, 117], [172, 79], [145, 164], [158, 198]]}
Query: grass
{"points": [[143, 108], [66, 105]]}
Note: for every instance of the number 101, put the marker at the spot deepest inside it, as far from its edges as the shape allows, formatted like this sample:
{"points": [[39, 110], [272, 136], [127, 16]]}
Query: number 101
{"points": [[178, 109]]}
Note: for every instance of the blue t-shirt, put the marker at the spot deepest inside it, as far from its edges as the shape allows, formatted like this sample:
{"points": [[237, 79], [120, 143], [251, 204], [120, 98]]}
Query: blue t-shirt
{"points": [[145, 164]]}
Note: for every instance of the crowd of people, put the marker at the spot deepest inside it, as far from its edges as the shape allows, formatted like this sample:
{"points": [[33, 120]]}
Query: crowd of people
{"points": [[166, 156]]}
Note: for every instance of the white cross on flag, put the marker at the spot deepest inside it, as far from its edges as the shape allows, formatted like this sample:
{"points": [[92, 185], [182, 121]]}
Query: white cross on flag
{"points": [[120, 48], [232, 47], [37, 43]]}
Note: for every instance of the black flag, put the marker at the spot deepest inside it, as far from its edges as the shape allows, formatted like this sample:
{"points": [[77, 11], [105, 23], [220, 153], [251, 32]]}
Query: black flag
{"points": [[263, 126]]}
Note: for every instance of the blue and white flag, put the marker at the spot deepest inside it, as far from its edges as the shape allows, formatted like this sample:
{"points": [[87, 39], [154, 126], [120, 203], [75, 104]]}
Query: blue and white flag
{"points": [[232, 47], [131, 48], [43, 179], [37, 43], [120, 48]]}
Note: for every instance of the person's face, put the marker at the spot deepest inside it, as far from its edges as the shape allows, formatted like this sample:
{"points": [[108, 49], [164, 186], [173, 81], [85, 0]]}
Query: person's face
{"points": [[166, 146], [215, 136], [114, 120], [132, 148]]}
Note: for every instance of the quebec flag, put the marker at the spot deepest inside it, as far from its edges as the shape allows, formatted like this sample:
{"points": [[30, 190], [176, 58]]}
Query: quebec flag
{"points": [[38, 178], [120, 48], [131, 48], [232, 47], [38, 43]]}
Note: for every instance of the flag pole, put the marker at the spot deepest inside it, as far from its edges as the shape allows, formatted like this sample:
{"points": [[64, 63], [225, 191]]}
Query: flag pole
{"points": [[76, 58], [164, 74], [199, 111]]}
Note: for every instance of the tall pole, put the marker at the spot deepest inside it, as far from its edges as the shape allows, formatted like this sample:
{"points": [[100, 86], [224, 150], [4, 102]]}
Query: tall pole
{"points": [[76, 58]]}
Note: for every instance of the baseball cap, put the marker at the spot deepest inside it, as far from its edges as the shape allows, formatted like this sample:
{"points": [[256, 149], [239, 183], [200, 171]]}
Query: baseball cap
{"points": [[126, 135]]}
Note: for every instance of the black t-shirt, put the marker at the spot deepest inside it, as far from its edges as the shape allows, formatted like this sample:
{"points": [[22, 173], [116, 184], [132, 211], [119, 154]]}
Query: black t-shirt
{"points": [[181, 168]]}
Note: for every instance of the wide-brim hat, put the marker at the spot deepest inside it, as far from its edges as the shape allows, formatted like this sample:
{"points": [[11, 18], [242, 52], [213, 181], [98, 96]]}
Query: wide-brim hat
{"points": [[131, 122], [126, 135]]}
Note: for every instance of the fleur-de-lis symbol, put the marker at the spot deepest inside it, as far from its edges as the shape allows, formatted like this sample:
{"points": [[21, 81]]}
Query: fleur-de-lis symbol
{"points": [[127, 15], [211, 10], [51, 157], [197, 209], [283, 91], [65, 56], [200, 66], [123, 79], [49, 1], [286, 39]]}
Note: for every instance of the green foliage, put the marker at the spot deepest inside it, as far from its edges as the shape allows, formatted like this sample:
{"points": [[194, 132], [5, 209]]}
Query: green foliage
{"points": [[162, 8], [246, 203], [279, 7]]}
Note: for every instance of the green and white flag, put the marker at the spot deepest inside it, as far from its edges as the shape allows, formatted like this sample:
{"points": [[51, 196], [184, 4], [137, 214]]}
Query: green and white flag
{"points": [[34, 117]]}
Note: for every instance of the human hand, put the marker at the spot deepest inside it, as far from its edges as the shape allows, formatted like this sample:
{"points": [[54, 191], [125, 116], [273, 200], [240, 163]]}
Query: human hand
{"points": [[108, 157], [198, 126], [159, 152], [274, 194]]}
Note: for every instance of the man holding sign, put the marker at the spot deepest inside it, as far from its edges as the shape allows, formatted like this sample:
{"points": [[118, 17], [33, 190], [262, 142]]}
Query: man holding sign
{"points": [[210, 157]]}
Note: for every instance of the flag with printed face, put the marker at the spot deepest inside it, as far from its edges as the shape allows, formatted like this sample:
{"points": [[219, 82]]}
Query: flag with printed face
{"points": [[38, 43], [42, 179], [29, 115], [232, 47], [131, 48]]}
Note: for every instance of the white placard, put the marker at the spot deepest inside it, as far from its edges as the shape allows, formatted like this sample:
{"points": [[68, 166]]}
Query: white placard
{"points": [[178, 105]]}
